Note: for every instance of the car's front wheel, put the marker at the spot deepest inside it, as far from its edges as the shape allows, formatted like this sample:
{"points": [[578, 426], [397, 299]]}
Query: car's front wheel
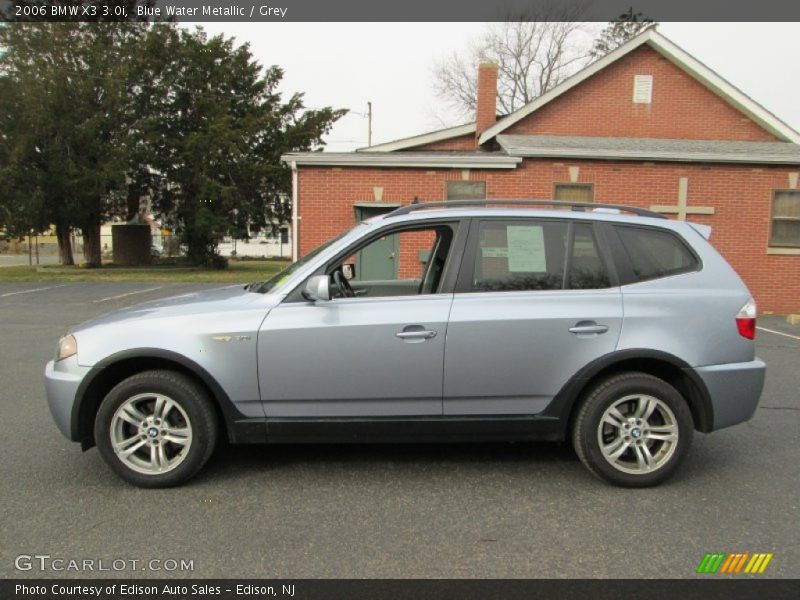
{"points": [[633, 430], [156, 428]]}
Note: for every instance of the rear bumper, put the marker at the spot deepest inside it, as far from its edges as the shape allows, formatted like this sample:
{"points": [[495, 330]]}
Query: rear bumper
{"points": [[734, 389], [61, 381]]}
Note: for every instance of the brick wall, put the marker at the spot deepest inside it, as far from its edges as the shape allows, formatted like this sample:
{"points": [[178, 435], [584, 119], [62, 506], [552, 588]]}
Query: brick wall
{"points": [[486, 101], [602, 105], [740, 194], [463, 142]]}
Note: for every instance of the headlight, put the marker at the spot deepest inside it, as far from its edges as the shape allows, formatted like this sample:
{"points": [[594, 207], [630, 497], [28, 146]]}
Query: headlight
{"points": [[67, 346]]}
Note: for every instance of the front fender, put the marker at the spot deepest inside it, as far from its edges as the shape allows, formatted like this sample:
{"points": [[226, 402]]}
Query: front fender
{"points": [[242, 425]]}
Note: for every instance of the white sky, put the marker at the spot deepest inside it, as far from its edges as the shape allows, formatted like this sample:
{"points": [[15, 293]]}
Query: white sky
{"points": [[344, 65]]}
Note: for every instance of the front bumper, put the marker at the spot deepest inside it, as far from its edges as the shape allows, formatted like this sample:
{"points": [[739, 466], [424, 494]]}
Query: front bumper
{"points": [[734, 389], [61, 382]]}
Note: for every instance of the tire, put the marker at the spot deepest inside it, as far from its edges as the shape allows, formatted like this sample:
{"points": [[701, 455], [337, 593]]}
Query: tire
{"points": [[156, 428], [633, 430]]}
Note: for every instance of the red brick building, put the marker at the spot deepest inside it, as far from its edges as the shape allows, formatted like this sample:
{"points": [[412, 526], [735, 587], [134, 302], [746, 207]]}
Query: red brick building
{"points": [[647, 125]]}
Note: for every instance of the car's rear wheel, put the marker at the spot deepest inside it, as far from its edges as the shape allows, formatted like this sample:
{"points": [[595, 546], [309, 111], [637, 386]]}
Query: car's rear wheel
{"points": [[156, 428], [633, 430]]}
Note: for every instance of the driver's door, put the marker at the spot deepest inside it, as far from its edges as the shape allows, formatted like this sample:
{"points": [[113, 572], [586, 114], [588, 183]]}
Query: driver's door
{"points": [[378, 353]]}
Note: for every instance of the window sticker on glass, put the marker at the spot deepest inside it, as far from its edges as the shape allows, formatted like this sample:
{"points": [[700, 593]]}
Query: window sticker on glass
{"points": [[526, 249], [494, 252]]}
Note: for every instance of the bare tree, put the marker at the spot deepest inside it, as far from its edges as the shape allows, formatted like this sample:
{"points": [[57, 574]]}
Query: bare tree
{"points": [[534, 53]]}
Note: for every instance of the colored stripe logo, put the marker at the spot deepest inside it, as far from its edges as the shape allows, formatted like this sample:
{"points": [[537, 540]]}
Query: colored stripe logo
{"points": [[734, 563]]}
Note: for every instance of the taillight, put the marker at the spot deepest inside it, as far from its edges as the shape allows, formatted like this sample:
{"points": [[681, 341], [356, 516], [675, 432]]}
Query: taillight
{"points": [[746, 320]]}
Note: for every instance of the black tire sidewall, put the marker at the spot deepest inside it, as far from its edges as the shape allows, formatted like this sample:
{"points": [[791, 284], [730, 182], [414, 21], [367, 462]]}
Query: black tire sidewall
{"points": [[603, 396], [192, 399]]}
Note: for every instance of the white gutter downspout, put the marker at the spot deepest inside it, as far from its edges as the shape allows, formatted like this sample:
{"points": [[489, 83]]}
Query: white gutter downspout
{"points": [[294, 211]]}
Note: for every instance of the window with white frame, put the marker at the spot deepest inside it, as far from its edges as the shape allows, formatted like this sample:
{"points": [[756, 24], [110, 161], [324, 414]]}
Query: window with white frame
{"points": [[785, 231]]}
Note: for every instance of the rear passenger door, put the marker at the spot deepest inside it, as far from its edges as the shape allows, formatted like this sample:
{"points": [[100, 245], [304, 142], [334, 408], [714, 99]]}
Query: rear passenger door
{"points": [[536, 300]]}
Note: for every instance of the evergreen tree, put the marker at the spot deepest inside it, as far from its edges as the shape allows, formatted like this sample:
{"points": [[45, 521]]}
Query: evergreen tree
{"points": [[218, 129], [628, 25], [95, 116]]}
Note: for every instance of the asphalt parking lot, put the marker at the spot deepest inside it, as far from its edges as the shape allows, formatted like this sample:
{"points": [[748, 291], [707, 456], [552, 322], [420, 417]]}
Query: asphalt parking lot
{"points": [[433, 511]]}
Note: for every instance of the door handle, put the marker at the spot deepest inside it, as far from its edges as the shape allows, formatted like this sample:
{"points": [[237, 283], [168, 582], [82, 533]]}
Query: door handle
{"points": [[585, 327], [416, 335]]}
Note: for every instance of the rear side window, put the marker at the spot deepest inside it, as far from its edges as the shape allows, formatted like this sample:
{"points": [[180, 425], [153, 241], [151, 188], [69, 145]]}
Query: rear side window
{"points": [[535, 255], [656, 253]]}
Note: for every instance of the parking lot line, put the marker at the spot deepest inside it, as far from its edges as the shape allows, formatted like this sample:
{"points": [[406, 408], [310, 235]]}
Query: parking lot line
{"points": [[31, 291], [128, 294], [789, 335]]}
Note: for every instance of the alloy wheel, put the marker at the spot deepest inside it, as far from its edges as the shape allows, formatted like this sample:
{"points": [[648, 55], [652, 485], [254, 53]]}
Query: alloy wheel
{"points": [[151, 433], [638, 434]]}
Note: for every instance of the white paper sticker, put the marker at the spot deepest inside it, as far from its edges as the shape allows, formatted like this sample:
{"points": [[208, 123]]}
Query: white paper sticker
{"points": [[526, 249], [494, 252]]}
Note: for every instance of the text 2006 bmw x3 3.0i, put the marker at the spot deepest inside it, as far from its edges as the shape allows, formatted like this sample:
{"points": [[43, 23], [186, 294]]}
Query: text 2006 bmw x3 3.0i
{"points": [[620, 332]]}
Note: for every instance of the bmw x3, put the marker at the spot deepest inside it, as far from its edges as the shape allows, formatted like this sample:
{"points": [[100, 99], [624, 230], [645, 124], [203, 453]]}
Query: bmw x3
{"points": [[609, 327]]}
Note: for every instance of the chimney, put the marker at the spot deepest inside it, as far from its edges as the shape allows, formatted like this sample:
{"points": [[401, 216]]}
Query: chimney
{"points": [[486, 110]]}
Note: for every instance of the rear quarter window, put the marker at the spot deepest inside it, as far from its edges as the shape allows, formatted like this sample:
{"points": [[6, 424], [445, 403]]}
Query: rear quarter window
{"points": [[656, 253]]}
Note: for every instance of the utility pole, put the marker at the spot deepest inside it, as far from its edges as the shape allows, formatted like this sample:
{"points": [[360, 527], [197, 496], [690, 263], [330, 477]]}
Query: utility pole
{"points": [[369, 123]]}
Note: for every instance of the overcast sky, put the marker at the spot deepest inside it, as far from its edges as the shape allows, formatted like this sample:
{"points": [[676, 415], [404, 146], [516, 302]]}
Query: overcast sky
{"points": [[391, 64]]}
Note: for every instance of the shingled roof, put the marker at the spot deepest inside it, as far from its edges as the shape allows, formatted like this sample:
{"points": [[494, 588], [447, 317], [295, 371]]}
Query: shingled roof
{"points": [[556, 146]]}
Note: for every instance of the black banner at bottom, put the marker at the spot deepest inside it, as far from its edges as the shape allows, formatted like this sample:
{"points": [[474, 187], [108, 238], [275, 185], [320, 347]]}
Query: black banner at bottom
{"points": [[397, 589]]}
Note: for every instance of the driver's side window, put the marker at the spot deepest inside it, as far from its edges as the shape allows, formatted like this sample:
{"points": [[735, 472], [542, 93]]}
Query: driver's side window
{"points": [[400, 263]]}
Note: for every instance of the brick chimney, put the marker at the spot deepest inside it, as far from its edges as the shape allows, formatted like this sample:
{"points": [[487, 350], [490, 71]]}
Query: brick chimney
{"points": [[486, 110]]}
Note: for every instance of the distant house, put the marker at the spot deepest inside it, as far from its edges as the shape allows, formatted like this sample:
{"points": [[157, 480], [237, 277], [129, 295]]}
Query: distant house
{"points": [[647, 125]]}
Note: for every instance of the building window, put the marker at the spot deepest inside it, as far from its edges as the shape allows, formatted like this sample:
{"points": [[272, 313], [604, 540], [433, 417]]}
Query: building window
{"points": [[575, 192], [785, 219], [466, 190], [642, 89]]}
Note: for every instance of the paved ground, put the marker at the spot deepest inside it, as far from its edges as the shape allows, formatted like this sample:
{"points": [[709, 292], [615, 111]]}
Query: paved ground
{"points": [[385, 511]]}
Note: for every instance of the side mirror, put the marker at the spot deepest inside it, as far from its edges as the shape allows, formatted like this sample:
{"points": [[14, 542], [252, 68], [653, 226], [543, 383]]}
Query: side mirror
{"points": [[317, 288]]}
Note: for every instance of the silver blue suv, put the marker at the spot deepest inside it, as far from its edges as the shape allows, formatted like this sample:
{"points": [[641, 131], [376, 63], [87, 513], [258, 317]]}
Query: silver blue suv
{"points": [[608, 326]]}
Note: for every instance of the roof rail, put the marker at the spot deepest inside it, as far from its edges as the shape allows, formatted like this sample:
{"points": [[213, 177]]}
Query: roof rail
{"points": [[576, 206]]}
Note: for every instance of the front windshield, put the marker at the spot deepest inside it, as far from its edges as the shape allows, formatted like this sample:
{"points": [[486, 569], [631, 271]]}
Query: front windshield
{"points": [[284, 274]]}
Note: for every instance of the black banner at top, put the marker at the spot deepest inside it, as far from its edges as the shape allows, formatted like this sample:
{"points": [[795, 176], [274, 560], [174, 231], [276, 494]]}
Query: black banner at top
{"points": [[405, 10]]}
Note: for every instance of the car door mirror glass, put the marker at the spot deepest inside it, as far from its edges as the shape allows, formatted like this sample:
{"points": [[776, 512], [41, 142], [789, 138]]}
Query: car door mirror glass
{"points": [[317, 288]]}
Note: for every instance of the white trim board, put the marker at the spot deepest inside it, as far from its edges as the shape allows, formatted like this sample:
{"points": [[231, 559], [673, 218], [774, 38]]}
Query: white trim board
{"points": [[440, 161]]}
